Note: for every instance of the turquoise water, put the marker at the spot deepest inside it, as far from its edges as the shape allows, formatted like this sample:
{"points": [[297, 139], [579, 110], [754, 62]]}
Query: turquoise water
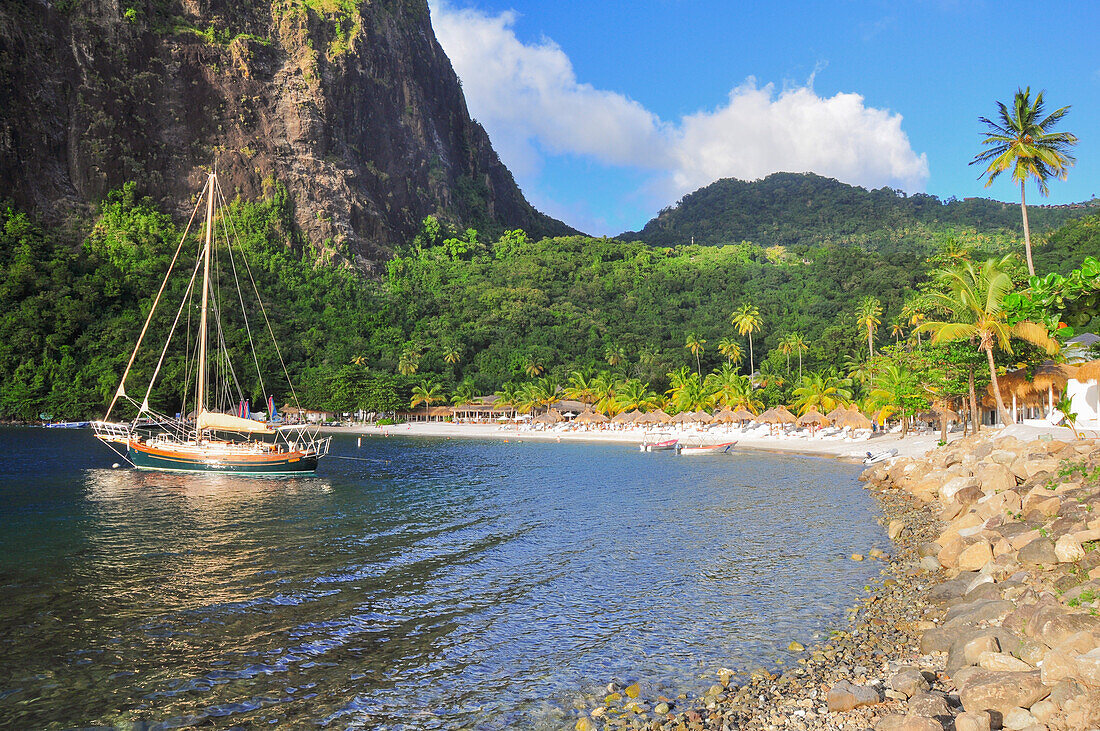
{"points": [[422, 584]]}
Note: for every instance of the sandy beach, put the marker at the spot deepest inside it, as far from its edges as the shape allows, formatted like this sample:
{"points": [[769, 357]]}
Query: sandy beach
{"points": [[913, 445]]}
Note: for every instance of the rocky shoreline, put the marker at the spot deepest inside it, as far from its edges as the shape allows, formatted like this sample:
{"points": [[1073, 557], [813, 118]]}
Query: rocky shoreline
{"points": [[984, 617]]}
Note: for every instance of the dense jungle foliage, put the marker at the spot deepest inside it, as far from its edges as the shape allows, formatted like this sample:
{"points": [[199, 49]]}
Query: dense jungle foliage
{"points": [[452, 308]]}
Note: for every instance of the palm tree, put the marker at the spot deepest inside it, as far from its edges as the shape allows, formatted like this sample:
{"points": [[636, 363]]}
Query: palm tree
{"points": [[605, 391], [359, 360], [614, 355], [913, 312], [695, 344], [580, 387], [633, 394], [545, 390], [973, 297], [746, 319], [676, 381], [867, 315], [452, 353], [897, 329], [896, 389], [731, 349], [785, 349], [409, 361], [426, 394], [727, 386], [798, 344], [532, 367], [821, 390], [1022, 141], [464, 394]]}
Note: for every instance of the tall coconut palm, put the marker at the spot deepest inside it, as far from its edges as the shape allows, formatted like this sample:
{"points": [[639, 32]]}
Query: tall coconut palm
{"points": [[464, 394], [1023, 142], [731, 349], [897, 329], [867, 316], [427, 394], [798, 344], [746, 319], [913, 312], [785, 349], [605, 391], [695, 344], [972, 296]]}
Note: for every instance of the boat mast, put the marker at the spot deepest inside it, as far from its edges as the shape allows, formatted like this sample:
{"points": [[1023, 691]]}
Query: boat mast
{"points": [[201, 390]]}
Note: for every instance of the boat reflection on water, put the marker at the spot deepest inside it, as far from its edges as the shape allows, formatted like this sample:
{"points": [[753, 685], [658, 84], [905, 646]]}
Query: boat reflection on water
{"points": [[184, 542]]}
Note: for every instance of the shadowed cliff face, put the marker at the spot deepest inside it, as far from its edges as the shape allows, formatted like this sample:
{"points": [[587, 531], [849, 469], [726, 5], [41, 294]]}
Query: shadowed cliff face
{"points": [[352, 105]]}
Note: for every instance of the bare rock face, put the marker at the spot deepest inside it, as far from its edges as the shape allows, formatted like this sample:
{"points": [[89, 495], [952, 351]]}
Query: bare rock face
{"points": [[354, 107]]}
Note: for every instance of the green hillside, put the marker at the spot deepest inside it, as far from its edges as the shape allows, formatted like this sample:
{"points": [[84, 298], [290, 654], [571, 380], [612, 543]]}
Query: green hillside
{"points": [[500, 309], [788, 209]]}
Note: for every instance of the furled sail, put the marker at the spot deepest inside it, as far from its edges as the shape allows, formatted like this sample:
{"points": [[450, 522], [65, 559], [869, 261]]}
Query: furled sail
{"points": [[228, 422]]}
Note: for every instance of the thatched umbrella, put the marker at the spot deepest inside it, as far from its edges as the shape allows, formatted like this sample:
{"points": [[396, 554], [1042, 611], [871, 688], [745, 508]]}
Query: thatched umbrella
{"points": [[683, 417], [836, 413], [814, 419], [725, 416], [623, 417], [703, 417], [592, 417], [744, 415], [766, 417], [661, 417], [1088, 371], [1015, 387], [854, 419], [785, 416], [643, 419]]}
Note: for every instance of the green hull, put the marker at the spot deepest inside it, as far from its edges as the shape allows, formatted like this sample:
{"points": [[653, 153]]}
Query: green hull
{"points": [[291, 465]]}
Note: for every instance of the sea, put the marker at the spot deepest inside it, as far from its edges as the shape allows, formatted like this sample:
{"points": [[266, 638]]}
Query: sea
{"points": [[412, 583]]}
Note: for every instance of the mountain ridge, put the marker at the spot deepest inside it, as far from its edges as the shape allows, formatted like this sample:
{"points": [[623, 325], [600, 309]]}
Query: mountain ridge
{"points": [[793, 209], [353, 107]]}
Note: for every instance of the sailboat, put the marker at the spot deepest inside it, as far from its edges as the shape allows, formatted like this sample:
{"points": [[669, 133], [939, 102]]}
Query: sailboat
{"points": [[214, 440]]}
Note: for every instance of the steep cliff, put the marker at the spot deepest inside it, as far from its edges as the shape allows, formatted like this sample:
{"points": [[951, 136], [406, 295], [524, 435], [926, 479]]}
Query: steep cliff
{"points": [[351, 104]]}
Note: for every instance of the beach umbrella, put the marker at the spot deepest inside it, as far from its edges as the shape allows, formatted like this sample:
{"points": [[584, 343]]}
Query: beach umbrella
{"points": [[813, 417], [725, 416], [1050, 376], [743, 415], [1088, 371], [767, 417], [853, 419], [703, 417], [661, 417], [623, 418], [592, 417], [785, 416], [836, 413], [683, 417]]}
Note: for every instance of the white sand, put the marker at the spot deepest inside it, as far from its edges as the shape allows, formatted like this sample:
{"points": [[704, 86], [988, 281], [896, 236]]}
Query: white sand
{"points": [[913, 445]]}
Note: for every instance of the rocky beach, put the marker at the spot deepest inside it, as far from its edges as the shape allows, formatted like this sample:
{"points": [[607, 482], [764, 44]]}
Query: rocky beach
{"points": [[984, 616]]}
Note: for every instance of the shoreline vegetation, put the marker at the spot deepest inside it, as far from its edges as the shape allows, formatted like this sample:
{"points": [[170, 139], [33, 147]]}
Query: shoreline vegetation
{"points": [[986, 614]]}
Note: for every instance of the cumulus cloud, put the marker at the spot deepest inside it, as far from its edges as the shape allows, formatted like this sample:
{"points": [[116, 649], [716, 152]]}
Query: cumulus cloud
{"points": [[529, 99]]}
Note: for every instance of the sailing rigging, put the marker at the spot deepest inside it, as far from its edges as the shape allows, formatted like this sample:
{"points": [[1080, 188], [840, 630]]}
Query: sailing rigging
{"points": [[214, 440]]}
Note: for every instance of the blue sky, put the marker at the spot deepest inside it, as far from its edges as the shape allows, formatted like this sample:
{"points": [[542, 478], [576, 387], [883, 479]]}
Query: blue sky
{"points": [[607, 112]]}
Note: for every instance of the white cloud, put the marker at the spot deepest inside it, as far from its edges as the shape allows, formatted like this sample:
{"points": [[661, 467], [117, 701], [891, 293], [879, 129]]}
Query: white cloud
{"points": [[529, 99]]}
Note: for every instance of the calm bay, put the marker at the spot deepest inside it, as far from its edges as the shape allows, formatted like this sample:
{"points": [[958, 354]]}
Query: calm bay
{"points": [[412, 583]]}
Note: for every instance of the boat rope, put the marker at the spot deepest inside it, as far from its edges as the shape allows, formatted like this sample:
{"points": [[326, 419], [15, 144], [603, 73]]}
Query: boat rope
{"points": [[168, 340], [240, 295], [149, 318], [267, 320]]}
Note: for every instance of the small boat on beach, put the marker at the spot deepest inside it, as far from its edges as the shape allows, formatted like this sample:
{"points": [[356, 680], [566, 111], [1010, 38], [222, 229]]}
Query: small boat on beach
{"points": [[68, 425], [688, 450], [658, 442], [875, 457], [216, 437]]}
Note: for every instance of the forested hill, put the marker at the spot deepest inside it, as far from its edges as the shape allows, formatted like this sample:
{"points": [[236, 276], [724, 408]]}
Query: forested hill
{"points": [[801, 209]]}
